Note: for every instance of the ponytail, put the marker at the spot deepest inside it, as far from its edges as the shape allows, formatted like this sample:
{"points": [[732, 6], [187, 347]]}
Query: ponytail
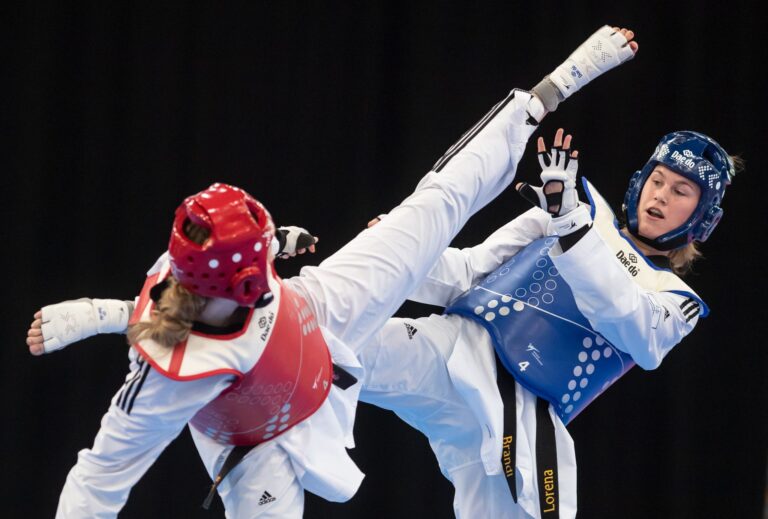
{"points": [[176, 310], [171, 320]]}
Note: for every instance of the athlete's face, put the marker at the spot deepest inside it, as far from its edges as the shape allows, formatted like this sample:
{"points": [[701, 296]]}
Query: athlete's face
{"points": [[668, 199]]}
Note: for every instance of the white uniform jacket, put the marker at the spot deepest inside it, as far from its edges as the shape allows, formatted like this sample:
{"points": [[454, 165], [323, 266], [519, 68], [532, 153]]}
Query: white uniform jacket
{"points": [[604, 291], [352, 294]]}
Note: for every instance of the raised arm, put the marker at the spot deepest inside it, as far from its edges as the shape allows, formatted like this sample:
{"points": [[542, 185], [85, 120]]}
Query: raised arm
{"points": [[646, 323], [61, 324]]}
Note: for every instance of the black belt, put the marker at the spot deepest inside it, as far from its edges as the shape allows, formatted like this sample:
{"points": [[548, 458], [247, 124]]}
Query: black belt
{"points": [[506, 385], [546, 447], [341, 378], [546, 461]]}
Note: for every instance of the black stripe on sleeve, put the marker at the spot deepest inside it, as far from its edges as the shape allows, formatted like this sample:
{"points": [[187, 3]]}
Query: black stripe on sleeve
{"points": [[692, 308], [129, 384], [132, 398], [692, 314]]}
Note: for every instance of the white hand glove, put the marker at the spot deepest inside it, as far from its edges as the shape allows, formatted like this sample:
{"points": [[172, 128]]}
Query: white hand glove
{"points": [[602, 51], [557, 194], [570, 222], [71, 321], [293, 240]]}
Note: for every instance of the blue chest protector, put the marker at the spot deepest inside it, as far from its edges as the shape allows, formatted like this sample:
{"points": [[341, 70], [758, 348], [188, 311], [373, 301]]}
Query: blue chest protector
{"points": [[539, 334]]}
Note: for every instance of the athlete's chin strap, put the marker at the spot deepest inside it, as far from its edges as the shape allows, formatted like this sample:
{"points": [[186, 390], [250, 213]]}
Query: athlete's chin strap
{"points": [[71, 321]]}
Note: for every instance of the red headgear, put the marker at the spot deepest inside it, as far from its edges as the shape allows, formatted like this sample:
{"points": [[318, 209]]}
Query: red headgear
{"points": [[232, 262]]}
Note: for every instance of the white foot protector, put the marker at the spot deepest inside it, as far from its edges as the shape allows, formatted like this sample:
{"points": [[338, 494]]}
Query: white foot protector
{"points": [[602, 51]]}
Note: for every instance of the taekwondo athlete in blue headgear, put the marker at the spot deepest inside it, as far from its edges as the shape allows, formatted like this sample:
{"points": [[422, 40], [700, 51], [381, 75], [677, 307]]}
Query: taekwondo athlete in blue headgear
{"points": [[544, 316]]}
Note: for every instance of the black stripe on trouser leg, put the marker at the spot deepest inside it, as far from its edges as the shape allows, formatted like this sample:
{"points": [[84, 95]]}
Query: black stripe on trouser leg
{"points": [[546, 461], [467, 137], [506, 385]]}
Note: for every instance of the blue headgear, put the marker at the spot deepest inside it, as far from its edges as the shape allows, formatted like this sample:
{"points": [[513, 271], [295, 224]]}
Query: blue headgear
{"points": [[698, 158]]}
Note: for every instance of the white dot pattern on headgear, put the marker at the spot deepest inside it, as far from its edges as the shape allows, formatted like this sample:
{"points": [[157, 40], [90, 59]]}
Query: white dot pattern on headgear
{"points": [[214, 263], [236, 257], [257, 246]]}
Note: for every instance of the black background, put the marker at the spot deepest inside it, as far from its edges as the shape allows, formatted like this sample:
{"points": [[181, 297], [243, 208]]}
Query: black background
{"points": [[329, 114]]}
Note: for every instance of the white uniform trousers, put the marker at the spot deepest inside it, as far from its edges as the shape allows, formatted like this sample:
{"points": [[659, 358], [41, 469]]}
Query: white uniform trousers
{"points": [[408, 371], [352, 294]]}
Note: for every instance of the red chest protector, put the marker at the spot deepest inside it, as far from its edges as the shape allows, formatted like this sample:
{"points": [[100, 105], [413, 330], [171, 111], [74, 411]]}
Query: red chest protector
{"points": [[280, 358]]}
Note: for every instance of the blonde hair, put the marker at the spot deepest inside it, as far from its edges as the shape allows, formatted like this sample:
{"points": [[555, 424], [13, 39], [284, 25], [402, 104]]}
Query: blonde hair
{"points": [[177, 308], [681, 260], [738, 164]]}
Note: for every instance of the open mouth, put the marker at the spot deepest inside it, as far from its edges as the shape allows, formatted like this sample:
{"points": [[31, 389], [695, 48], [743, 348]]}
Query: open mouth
{"points": [[652, 211]]}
